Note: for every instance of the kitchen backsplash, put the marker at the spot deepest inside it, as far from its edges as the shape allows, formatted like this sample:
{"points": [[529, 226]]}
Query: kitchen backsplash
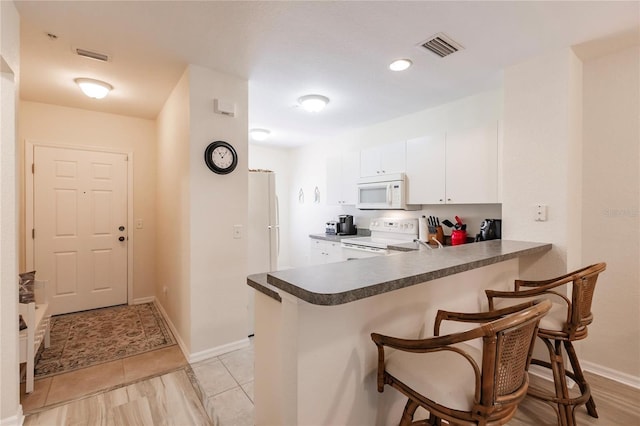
{"points": [[471, 214]]}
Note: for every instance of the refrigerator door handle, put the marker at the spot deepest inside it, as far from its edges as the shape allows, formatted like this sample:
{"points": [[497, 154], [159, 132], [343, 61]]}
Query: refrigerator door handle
{"points": [[277, 226]]}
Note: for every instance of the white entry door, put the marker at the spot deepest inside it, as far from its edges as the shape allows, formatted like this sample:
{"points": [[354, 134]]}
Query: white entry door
{"points": [[80, 234]]}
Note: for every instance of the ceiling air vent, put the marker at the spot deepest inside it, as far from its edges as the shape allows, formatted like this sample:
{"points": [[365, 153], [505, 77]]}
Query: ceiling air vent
{"points": [[441, 45], [92, 55]]}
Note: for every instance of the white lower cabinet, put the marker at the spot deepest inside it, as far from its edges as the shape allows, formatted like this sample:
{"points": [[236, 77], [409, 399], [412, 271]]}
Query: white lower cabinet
{"points": [[325, 252], [459, 167]]}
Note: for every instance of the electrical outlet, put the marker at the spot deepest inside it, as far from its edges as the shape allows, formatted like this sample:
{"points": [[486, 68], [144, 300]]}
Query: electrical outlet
{"points": [[540, 213], [237, 232]]}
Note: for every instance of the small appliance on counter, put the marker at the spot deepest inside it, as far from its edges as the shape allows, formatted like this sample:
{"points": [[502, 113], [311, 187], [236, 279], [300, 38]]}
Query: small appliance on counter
{"points": [[346, 225], [490, 229], [459, 231], [331, 228]]}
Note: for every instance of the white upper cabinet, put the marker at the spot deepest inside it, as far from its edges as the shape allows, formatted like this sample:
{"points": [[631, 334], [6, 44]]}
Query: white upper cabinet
{"points": [[472, 165], [459, 167], [342, 178], [383, 159], [426, 170]]}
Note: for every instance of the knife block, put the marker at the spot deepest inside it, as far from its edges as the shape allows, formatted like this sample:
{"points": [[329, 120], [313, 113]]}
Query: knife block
{"points": [[439, 235]]}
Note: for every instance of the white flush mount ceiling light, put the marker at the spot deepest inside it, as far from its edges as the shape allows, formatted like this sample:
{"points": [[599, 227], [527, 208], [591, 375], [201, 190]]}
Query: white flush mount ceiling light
{"points": [[400, 64], [259, 134], [94, 88], [313, 103]]}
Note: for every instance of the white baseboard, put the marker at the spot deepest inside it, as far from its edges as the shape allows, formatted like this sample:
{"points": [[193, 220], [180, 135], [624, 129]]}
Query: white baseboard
{"points": [[219, 350], [173, 328], [141, 300], [16, 420], [202, 355], [609, 373]]}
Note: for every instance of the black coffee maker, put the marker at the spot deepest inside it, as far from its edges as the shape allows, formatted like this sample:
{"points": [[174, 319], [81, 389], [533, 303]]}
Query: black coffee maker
{"points": [[346, 225], [490, 229]]}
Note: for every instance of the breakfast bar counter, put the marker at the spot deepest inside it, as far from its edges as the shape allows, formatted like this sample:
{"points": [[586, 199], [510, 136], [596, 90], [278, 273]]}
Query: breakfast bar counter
{"points": [[343, 282], [315, 363]]}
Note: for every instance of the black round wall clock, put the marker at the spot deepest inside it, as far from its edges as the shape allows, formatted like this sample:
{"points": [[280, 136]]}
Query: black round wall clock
{"points": [[221, 157]]}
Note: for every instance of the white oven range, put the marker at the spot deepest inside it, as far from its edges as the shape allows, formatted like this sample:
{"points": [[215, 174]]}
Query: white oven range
{"points": [[385, 232]]}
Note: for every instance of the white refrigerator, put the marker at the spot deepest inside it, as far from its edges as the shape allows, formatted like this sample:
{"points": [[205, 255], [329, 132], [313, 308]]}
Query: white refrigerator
{"points": [[263, 230]]}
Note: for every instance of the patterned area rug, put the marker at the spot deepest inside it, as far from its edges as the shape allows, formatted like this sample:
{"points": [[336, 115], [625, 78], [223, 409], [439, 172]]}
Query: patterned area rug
{"points": [[93, 337]]}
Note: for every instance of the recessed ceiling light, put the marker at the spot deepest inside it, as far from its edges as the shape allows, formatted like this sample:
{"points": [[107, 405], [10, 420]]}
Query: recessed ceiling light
{"points": [[400, 64], [94, 88], [259, 134], [313, 103]]}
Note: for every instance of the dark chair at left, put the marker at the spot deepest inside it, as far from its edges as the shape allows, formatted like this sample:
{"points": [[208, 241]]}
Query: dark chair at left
{"points": [[457, 381]]}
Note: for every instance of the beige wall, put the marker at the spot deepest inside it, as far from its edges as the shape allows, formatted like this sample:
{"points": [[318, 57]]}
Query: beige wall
{"points": [[10, 412], [541, 160], [611, 207], [218, 202], [199, 261], [173, 206], [57, 125], [572, 140]]}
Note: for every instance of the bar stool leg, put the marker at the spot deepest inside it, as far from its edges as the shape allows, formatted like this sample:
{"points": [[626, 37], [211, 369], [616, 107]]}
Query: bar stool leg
{"points": [[578, 376], [409, 411]]}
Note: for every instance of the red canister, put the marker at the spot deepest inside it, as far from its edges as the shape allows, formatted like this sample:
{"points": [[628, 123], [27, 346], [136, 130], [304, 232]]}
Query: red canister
{"points": [[458, 237]]}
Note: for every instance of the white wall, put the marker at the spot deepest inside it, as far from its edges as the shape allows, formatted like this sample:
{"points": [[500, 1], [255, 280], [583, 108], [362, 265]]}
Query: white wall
{"points": [[58, 125], [309, 169], [10, 411], [611, 207], [277, 160], [218, 202], [173, 207]]}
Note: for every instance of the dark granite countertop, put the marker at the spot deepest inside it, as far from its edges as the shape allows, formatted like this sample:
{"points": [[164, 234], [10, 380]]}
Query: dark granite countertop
{"points": [[338, 238], [344, 282]]}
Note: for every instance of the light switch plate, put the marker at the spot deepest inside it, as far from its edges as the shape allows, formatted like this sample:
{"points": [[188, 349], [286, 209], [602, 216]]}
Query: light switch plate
{"points": [[540, 213], [237, 232], [139, 224]]}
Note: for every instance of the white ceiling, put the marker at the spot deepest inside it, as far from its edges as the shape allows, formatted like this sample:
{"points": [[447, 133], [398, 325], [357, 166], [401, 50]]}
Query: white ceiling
{"points": [[288, 49]]}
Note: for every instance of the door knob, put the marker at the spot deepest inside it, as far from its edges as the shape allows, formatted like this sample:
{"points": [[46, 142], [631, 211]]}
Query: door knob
{"points": [[121, 228], [120, 238]]}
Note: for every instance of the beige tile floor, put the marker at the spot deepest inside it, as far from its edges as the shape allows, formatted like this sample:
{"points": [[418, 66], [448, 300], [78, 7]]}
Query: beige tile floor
{"points": [[226, 384]]}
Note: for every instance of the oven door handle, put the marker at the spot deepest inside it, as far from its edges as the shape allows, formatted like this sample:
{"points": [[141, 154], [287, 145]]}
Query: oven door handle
{"points": [[363, 248]]}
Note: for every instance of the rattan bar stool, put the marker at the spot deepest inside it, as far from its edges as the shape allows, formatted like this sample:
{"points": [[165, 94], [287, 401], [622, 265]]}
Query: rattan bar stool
{"points": [[457, 381], [566, 322]]}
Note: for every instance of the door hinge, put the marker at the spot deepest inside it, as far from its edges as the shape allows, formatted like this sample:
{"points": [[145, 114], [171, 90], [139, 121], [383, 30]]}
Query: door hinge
{"points": [[33, 233], [33, 168]]}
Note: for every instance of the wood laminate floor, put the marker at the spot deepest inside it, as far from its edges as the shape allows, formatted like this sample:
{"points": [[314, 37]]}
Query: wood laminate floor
{"points": [[169, 399], [617, 405]]}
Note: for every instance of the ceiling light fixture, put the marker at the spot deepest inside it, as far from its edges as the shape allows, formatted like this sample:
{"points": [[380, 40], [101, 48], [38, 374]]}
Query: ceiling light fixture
{"points": [[94, 88], [400, 64], [259, 134], [313, 103]]}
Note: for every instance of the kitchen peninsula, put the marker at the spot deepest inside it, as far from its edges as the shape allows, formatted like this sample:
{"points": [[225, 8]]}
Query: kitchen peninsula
{"points": [[315, 363]]}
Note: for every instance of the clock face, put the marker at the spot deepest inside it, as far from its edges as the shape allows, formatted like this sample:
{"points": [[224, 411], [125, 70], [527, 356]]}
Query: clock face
{"points": [[221, 157]]}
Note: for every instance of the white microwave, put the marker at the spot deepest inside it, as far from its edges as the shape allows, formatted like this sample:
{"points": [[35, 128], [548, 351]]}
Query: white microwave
{"points": [[385, 192]]}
